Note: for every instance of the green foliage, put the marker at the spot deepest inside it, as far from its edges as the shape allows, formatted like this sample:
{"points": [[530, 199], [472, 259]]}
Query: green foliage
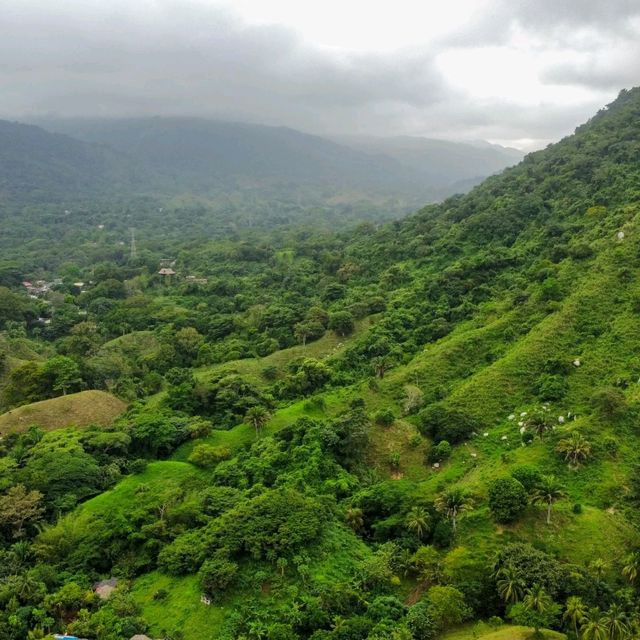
{"points": [[507, 499]]}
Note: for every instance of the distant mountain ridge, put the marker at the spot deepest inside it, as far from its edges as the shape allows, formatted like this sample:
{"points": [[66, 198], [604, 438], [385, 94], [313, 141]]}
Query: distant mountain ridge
{"points": [[199, 154]]}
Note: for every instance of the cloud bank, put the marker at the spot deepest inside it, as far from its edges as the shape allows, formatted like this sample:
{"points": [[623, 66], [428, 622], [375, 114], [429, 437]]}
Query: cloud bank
{"points": [[521, 72]]}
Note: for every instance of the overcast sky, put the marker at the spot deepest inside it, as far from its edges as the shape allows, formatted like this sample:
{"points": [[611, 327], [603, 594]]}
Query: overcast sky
{"points": [[517, 72]]}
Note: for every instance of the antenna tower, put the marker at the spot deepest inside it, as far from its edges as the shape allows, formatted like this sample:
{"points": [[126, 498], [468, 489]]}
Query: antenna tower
{"points": [[134, 250]]}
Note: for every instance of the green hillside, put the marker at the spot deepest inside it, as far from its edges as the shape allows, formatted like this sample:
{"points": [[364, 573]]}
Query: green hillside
{"points": [[423, 430]]}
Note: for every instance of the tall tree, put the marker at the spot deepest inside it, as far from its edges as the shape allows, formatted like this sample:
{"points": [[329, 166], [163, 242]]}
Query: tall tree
{"points": [[257, 417], [574, 613], [453, 503], [417, 521], [548, 492]]}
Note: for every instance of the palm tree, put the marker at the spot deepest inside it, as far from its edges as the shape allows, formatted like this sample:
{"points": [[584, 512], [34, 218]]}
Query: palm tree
{"points": [[631, 568], [257, 417], [574, 613], [575, 449], [510, 584], [616, 622], [353, 517], [593, 627], [539, 424], [417, 521], [453, 503], [598, 568], [537, 600], [548, 491]]}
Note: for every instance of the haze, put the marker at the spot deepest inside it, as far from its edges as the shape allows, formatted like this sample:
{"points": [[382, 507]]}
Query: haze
{"points": [[517, 73]]}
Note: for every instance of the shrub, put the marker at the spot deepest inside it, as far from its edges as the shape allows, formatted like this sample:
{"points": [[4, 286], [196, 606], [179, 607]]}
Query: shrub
{"points": [[528, 475], [206, 455], [384, 417], [577, 508], [507, 499], [439, 452], [441, 423], [217, 573], [420, 622], [447, 606]]}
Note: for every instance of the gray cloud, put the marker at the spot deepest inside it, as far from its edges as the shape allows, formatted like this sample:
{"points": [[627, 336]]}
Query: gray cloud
{"points": [[184, 57]]}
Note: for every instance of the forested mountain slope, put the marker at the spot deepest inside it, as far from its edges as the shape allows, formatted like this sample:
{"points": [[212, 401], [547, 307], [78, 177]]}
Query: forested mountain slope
{"points": [[378, 434]]}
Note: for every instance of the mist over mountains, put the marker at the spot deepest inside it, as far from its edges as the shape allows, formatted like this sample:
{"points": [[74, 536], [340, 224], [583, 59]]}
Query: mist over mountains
{"points": [[79, 158]]}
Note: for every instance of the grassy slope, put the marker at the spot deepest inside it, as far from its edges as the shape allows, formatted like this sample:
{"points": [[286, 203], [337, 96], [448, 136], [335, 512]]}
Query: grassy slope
{"points": [[508, 632], [78, 409]]}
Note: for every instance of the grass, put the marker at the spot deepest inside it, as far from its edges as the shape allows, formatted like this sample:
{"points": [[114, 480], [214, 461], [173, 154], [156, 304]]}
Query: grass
{"points": [[78, 409], [162, 477], [506, 632], [180, 609]]}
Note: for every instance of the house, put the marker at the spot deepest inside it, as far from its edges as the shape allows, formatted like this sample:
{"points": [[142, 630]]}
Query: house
{"points": [[105, 588], [166, 271], [140, 636], [167, 262]]}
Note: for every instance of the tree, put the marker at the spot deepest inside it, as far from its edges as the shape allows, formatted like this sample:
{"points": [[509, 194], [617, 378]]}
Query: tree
{"points": [[341, 322], [417, 521], [308, 330], [593, 626], [539, 423], [631, 568], [18, 507], [575, 613], [616, 623], [447, 606], [507, 499], [257, 417], [354, 518], [453, 503], [575, 449], [63, 373], [548, 492], [217, 573], [510, 584], [420, 622], [536, 610]]}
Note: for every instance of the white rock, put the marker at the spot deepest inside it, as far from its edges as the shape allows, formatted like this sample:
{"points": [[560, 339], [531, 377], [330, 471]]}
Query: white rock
{"points": [[503, 438], [511, 417], [485, 434], [561, 419], [436, 465], [521, 424], [523, 429], [576, 362], [523, 414], [620, 235], [474, 455]]}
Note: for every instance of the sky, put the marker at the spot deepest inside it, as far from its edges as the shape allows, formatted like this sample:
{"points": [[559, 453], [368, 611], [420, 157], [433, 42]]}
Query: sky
{"points": [[521, 73]]}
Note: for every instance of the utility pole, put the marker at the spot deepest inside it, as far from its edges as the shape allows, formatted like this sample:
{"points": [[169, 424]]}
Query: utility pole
{"points": [[134, 251]]}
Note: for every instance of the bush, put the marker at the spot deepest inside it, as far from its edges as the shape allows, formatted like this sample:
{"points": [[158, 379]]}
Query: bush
{"points": [[447, 606], [206, 455], [507, 499], [441, 423], [384, 417], [420, 622], [609, 402], [577, 508], [528, 476], [341, 322], [216, 574], [439, 452]]}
